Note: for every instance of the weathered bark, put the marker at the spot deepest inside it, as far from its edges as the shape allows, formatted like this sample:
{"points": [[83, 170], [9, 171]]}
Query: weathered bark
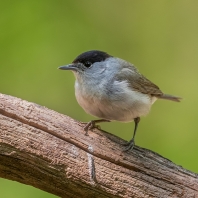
{"points": [[49, 151]]}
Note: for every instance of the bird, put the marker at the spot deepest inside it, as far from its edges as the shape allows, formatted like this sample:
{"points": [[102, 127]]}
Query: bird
{"points": [[113, 89]]}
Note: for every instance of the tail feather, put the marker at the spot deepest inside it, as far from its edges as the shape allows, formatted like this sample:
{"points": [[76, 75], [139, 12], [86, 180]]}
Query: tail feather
{"points": [[170, 97]]}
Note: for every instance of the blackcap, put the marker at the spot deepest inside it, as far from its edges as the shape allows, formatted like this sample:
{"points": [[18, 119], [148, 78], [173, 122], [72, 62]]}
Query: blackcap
{"points": [[112, 89]]}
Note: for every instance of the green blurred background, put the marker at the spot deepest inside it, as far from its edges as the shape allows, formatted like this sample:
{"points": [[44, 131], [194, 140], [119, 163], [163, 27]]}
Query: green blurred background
{"points": [[159, 37]]}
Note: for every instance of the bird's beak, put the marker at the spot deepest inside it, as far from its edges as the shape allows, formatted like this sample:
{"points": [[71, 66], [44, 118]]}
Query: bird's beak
{"points": [[68, 67]]}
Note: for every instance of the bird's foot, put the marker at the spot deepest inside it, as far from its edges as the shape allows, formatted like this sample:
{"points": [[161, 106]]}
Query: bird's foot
{"points": [[129, 145], [92, 125]]}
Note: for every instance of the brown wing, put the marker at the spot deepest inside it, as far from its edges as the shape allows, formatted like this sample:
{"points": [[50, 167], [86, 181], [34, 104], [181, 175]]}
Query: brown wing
{"points": [[143, 85], [138, 82]]}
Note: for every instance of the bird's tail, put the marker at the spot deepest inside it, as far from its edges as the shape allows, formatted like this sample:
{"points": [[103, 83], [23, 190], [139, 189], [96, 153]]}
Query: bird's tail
{"points": [[170, 97]]}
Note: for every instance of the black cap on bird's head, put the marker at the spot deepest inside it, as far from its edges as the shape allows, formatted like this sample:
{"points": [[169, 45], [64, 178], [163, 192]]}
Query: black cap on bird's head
{"points": [[90, 57], [87, 59]]}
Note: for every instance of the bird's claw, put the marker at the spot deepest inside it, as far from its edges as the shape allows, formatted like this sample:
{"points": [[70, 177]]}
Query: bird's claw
{"points": [[91, 125], [129, 146]]}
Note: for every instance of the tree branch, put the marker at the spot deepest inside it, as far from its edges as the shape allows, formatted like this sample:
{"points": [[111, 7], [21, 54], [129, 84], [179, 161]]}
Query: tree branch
{"points": [[49, 151]]}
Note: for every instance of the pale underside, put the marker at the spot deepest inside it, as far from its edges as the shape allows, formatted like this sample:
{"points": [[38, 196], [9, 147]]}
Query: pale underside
{"points": [[119, 107]]}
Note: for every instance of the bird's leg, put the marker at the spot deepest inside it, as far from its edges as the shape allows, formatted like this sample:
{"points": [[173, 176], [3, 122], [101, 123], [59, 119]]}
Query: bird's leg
{"points": [[92, 124], [131, 143]]}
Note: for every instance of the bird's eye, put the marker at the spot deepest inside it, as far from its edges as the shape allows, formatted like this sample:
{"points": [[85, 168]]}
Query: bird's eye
{"points": [[87, 64]]}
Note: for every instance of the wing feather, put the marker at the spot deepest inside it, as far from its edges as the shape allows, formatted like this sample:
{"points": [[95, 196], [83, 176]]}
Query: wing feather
{"points": [[137, 81]]}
